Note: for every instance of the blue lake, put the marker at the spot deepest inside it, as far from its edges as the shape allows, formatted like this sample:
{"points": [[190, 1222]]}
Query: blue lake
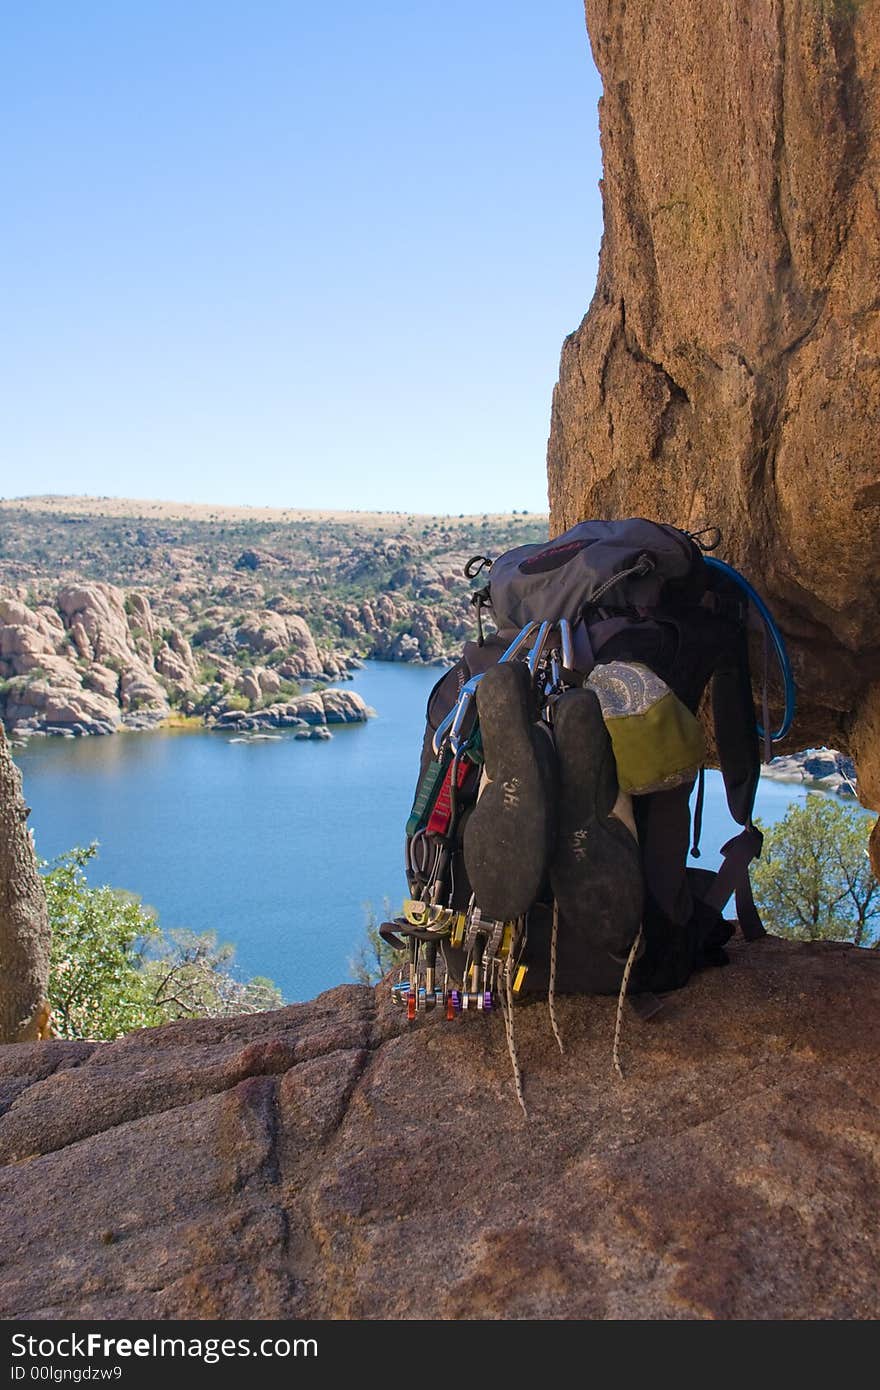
{"points": [[275, 846]]}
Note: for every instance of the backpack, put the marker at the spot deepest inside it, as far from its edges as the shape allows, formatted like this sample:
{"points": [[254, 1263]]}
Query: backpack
{"points": [[640, 615]]}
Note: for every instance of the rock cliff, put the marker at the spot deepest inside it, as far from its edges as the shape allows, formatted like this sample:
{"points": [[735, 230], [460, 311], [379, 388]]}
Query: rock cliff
{"points": [[96, 658], [327, 1161], [81, 664], [728, 370]]}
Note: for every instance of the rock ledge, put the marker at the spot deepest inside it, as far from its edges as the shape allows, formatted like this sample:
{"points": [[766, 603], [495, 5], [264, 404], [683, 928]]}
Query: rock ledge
{"points": [[323, 1161]]}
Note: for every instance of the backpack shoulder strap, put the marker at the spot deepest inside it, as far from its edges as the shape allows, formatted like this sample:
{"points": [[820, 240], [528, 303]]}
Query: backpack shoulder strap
{"points": [[736, 739], [733, 878], [733, 717]]}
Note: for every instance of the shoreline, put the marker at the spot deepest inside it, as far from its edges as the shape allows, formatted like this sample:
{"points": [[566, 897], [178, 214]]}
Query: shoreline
{"points": [[299, 711]]}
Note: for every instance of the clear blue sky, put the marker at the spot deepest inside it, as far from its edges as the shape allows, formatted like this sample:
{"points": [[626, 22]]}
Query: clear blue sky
{"points": [[289, 253]]}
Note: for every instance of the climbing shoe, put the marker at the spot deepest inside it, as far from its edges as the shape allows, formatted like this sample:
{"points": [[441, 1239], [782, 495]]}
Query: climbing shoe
{"points": [[595, 873], [509, 837]]}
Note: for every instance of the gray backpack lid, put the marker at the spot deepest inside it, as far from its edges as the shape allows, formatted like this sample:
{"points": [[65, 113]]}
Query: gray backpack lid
{"points": [[627, 563]]}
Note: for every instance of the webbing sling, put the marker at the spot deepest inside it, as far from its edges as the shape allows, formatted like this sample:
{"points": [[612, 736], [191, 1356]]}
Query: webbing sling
{"points": [[733, 877]]}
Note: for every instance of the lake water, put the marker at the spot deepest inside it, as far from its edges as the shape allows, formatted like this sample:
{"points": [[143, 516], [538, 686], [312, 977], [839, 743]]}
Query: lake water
{"points": [[275, 846]]}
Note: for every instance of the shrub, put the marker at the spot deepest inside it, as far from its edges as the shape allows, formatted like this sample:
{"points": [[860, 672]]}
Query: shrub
{"points": [[113, 968], [373, 957]]}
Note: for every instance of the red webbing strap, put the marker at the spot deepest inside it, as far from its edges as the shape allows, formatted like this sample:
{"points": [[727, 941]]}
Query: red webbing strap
{"points": [[733, 877], [438, 823]]}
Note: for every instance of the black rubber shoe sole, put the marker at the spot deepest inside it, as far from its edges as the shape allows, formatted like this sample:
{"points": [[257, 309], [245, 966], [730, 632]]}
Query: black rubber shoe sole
{"points": [[509, 837], [596, 872]]}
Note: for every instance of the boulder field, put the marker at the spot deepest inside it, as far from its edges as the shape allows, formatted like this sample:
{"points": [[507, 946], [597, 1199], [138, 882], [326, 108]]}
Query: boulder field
{"points": [[97, 660], [84, 663]]}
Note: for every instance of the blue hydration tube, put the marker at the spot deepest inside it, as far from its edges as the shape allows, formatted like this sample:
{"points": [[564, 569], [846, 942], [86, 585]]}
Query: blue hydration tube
{"points": [[775, 637]]}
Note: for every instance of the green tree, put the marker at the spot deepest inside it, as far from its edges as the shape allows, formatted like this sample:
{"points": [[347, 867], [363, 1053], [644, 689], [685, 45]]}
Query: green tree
{"points": [[813, 881], [113, 969], [97, 984]]}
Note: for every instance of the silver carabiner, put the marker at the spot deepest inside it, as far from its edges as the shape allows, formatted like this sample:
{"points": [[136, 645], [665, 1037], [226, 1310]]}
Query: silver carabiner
{"points": [[538, 646], [464, 703], [464, 698], [518, 642], [452, 724], [567, 641]]}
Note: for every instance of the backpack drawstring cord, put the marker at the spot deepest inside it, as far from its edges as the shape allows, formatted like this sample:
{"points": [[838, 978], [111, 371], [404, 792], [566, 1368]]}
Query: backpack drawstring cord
{"points": [[643, 566], [507, 1011], [551, 991], [621, 1000]]}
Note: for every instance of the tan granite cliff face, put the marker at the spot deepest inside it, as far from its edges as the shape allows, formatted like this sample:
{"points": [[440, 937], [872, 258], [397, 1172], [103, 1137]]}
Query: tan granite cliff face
{"points": [[728, 369]]}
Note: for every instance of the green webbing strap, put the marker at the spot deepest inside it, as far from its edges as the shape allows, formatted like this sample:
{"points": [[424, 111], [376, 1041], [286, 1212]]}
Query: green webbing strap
{"points": [[432, 780], [426, 794]]}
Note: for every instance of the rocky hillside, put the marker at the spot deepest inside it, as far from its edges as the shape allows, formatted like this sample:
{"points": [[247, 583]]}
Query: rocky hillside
{"points": [[728, 370], [94, 661], [325, 1161], [116, 619]]}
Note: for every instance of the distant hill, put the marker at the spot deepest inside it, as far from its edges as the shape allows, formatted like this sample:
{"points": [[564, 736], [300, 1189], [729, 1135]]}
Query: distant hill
{"points": [[153, 509]]}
